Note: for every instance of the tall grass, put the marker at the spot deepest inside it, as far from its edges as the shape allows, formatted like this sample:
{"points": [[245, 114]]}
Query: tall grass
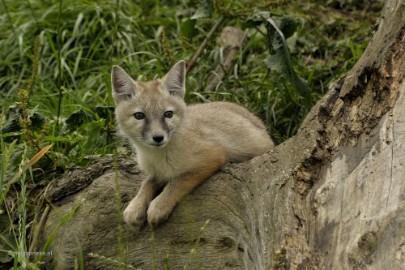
{"points": [[55, 60]]}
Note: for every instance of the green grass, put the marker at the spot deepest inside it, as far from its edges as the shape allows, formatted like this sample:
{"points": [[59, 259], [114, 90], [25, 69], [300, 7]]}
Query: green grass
{"points": [[55, 61]]}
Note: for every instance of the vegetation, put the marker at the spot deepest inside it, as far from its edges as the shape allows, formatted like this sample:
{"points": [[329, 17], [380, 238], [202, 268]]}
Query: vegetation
{"points": [[55, 61]]}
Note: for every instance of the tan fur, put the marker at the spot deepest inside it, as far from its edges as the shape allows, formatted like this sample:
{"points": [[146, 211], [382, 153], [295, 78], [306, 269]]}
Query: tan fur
{"points": [[194, 143]]}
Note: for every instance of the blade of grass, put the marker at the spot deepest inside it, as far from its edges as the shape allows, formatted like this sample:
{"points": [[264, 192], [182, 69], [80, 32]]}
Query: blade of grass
{"points": [[60, 74], [62, 222], [31, 162]]}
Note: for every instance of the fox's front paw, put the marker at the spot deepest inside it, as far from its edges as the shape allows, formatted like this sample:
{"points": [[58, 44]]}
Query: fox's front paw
{"points": [[158, 212], [135, 215]]}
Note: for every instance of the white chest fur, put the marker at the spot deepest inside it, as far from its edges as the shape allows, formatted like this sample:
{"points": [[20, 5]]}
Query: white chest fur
{"points": [[158, 163]]}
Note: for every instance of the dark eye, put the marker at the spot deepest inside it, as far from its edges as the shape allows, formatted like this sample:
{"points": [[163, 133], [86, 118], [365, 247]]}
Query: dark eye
{"points": [[168, 114], [139, 115]]}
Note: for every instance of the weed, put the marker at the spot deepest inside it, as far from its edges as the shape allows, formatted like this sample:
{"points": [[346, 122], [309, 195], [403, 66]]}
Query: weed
{"points": [[194, 249], [111, 261]]}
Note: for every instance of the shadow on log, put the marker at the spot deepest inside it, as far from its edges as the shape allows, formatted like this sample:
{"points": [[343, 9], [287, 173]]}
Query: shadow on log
{"points": [[331, 197]]}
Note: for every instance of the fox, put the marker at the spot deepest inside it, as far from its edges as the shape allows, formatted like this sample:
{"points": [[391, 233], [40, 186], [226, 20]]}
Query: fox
{"points": [[178, 146]]}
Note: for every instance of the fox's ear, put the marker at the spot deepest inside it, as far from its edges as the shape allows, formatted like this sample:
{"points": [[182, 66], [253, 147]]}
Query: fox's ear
{"points": [[123, 87], [175, 80]]}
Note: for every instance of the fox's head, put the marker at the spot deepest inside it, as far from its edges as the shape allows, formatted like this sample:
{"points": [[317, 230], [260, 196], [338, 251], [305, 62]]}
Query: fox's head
{"points": [[149, 113]]}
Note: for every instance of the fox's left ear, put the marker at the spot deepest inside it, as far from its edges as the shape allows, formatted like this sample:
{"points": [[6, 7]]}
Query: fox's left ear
{"points": [[175, 80]]}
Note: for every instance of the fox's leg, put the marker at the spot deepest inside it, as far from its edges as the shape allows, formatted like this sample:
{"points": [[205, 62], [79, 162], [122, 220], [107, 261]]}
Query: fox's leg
{"points": [[161, 207], [135, 213]]}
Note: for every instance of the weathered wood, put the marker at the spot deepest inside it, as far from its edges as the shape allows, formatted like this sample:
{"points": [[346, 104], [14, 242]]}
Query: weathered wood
{"points": [[331, 197]]}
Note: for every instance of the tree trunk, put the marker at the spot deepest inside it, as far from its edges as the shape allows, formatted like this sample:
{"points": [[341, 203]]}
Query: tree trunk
{"points": [[331, 197]]}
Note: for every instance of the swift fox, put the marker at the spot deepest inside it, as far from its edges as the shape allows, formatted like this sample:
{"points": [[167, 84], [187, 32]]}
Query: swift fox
{"points": [[178, 146]]}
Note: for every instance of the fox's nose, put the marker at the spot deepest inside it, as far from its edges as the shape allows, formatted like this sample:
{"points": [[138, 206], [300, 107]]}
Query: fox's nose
{"points": [[158, 138]]}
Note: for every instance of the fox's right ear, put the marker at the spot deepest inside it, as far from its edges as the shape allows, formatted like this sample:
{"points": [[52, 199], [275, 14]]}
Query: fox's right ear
{"points": [[174, 82], [123, 87]]}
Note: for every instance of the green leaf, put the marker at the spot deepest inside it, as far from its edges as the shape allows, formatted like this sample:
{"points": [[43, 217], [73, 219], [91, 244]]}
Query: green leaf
{"points": [[77, 119], [106, 112], [280, 62], [187, 28], [256, 19], [14, 114], [205, 10], [288, 25]]}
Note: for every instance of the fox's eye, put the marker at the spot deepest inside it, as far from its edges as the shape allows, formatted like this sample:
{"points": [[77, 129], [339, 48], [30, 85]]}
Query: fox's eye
{"points": [[168, 114], [139, 115]]}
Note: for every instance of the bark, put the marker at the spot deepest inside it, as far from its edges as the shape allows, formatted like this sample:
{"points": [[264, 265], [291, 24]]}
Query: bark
{"points": [[331, 197]]}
